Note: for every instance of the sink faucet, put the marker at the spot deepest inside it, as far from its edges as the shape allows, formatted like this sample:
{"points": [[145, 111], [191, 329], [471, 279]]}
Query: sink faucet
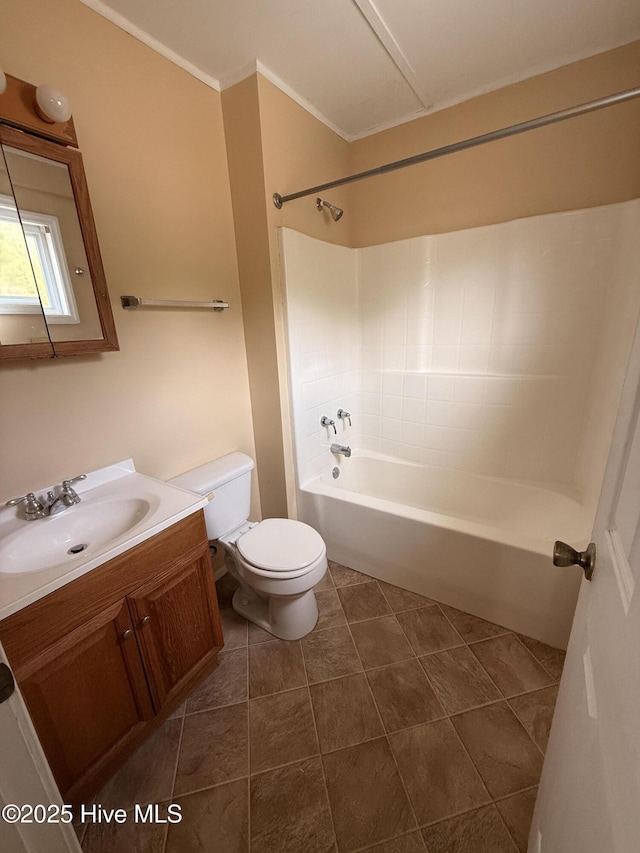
{"points": [[341, 448], [54, 504], [65, 498]]}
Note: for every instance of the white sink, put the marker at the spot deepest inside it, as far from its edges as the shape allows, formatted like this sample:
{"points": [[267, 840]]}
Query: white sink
{"points": [[118, 510], [81, 529]]}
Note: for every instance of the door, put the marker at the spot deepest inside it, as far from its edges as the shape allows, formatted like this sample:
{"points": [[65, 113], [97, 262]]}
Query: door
{"points": [[94, 673], [177, 625], [26, 778], [589, 797]]}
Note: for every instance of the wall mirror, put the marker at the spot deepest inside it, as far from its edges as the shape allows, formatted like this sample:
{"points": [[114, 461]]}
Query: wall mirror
{"points": [[53, 292]]}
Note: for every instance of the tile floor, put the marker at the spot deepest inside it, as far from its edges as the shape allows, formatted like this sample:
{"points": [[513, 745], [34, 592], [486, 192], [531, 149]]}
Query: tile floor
{"points": [[398, 725]]}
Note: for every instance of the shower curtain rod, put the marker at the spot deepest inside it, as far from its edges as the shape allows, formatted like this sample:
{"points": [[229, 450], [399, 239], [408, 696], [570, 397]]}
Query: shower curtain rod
{"points": [[504, 132]]}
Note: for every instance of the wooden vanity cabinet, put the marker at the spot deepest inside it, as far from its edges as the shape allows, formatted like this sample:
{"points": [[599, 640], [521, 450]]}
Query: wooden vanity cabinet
{"points": [[106, 658], [175, 626], [87, 695]]}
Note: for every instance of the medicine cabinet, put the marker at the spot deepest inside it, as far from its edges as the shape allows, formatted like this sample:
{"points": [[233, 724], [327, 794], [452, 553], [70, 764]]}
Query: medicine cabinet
{"points": [[53, 292]]}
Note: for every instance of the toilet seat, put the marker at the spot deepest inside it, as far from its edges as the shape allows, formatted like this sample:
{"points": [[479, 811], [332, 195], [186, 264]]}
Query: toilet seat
{"points": [[281, 545]]}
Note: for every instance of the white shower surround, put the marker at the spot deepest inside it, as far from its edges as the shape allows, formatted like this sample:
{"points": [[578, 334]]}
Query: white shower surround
{"points": [[496, 351]]}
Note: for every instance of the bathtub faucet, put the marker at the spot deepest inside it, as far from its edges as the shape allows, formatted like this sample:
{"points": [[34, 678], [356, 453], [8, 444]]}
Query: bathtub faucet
{"points": [[341, 448]]}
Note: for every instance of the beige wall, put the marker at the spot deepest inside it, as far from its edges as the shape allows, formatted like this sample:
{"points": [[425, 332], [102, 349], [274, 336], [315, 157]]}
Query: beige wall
{"points": [[582, 162], [275, 146], [242, 131], [153, 145]]}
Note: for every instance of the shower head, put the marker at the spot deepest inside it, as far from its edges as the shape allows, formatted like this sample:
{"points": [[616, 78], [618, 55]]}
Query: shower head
{"points": [[336, 212]]}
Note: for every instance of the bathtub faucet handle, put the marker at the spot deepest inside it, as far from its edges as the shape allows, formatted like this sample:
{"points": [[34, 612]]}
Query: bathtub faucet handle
{"points": [[344, 416], [327, 422]]}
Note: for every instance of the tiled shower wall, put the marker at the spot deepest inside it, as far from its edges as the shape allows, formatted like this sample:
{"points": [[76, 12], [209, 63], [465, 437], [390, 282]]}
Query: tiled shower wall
{"points": [[477, 349], [324, 346]]}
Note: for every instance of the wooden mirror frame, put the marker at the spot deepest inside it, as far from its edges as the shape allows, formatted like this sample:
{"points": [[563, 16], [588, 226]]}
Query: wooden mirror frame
{"points": [[30, 139]]}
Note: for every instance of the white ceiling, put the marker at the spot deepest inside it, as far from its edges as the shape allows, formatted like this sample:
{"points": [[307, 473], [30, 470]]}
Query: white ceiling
{"points": [[360, 65]]}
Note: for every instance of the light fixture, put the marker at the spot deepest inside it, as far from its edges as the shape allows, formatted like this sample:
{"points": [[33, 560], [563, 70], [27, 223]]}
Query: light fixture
{"points": [[52, 105], [3, 81]]}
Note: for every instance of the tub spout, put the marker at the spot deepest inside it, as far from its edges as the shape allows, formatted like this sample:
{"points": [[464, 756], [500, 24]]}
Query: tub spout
{"points": [[341, 448]]}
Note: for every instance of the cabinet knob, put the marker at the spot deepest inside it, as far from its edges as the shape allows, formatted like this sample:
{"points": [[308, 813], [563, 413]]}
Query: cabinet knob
{"points": [[145, 621], [126, 634]]}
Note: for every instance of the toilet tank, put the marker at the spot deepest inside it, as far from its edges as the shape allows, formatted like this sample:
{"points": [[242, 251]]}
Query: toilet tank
{"points": [[229, 480]]}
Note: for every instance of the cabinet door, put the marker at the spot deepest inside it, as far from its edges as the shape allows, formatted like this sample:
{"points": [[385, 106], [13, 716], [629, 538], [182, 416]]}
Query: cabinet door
{"points": [[87, 695], [177, 625]]}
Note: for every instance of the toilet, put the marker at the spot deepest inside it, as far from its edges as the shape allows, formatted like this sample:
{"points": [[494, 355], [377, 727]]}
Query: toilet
{"points": [[277, 561]]}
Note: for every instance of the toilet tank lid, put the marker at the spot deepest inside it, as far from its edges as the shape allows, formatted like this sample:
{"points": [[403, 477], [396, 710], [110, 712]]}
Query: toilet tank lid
{"points": [[214, 474]]}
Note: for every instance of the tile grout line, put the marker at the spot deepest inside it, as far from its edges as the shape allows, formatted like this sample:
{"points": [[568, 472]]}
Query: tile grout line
{"points": [[540, 750], [375, 705], [530, 654], [535, 657], [249, 768], [499, 689], [503, 799], [248, 689], [504, 823], [491, 678], [505, 796], [315, 728], [415, 653], [215, 785], [462, 639], [248, 814], [175, 769], [324, 775], [175, 774], [417, 831], [384, 728]]}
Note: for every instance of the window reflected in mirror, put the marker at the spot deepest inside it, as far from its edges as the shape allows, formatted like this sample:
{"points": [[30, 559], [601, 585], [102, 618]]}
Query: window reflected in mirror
{"points": [[22, 319], [47, 209]]}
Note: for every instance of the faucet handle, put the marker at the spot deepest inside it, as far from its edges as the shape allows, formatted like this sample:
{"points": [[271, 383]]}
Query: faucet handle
{"points": [[68, 495], [344, 416], [32, 506], [24, 498], [327, 422], [67, 483]]}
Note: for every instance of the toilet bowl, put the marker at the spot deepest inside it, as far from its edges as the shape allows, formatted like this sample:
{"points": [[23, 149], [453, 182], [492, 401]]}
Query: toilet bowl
{"points": [[277, 561]]}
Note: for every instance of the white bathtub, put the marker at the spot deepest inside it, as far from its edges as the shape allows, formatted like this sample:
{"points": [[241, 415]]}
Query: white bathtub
{"points": [[477, 543]]}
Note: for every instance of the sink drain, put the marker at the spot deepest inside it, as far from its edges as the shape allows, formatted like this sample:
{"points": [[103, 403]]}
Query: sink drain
{"points": [[77, 549]]}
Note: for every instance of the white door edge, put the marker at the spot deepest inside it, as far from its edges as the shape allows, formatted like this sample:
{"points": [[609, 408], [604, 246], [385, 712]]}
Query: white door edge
{"points": [[25, 777]]}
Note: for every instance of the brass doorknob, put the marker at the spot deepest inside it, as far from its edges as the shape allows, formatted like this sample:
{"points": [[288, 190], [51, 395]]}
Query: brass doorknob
{"points": [[565, 555]]}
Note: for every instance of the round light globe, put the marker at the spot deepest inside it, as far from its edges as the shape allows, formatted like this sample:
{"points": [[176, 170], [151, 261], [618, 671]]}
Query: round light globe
{"points": [[52, 104]]}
